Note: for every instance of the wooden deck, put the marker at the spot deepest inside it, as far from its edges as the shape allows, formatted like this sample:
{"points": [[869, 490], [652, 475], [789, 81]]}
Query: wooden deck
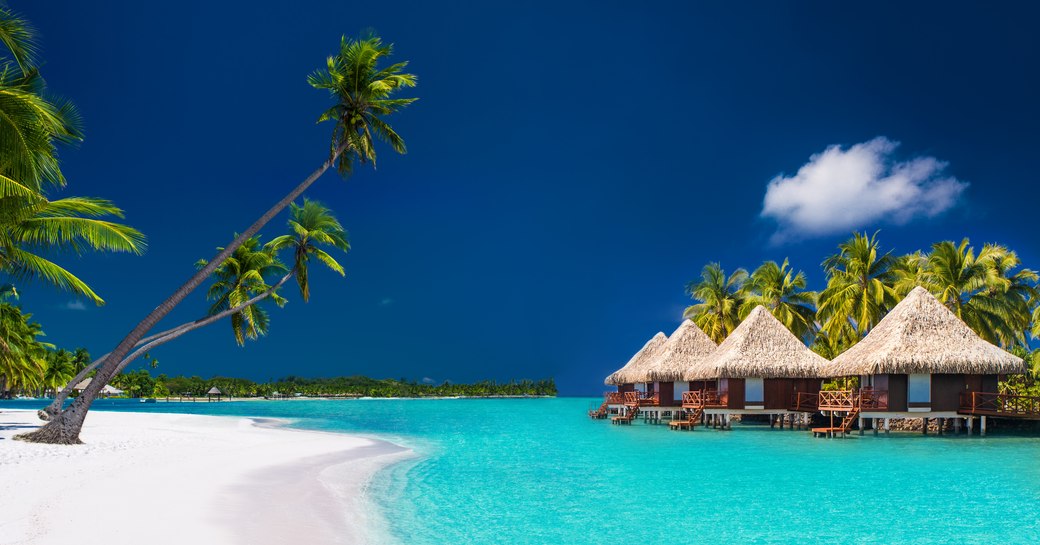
{"points": [[1000, 405]]}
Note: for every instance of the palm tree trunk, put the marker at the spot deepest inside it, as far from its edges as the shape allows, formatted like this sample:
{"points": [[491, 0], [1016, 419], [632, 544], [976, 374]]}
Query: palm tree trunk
{"points": [[65, 427]]}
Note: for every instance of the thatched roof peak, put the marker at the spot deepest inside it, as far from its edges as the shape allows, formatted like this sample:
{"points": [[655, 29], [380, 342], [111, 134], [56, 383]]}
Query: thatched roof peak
{"points": [[922, 335], [760, 347], [685, 349], [634, 370]]}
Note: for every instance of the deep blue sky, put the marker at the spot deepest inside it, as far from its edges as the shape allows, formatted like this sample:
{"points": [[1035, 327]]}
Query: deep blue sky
{"points": [[571, 165]]}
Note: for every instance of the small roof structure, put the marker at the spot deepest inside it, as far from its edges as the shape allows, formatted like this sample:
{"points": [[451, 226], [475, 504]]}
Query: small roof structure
{"points": [[684, 350], [634, 371], [108, 389], [111, 390], [922, 335], [760, 347], [214, 391]]}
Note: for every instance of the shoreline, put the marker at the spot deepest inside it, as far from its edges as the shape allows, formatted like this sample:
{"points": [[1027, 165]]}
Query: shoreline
{"points": [[168, 478]]}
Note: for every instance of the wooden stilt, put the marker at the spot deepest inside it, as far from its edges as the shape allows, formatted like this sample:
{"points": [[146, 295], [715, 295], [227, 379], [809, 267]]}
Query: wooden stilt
{"points": [[956, 426], [873, 424], [888, 426], [969, 422], [942, 423], [982, 426], [859, 423], [924, 426]]}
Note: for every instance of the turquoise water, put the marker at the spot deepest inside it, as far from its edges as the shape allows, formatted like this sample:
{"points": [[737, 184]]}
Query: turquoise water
{"points": [[540, 471]]}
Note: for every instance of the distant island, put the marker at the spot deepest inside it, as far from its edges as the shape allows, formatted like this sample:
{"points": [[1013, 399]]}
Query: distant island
{"points": [[140, 383]]}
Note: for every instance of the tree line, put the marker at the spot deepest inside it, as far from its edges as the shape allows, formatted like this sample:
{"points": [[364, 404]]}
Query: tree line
{"points": [[141, 383], [987, 287]]}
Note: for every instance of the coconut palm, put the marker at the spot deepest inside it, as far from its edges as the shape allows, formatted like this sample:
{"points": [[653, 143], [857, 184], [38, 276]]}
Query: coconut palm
{"points": [[22, 355], [910, 271], [311, 225], [982, 289], [781, 290], [60, 369], [364, 95], [720, 298], [242, 276], [860, 289]]}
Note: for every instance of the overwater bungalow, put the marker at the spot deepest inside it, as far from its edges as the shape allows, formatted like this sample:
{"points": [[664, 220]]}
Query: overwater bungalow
{"points": [[759, 369], [922, 361], [685, 348], [634, 387]]}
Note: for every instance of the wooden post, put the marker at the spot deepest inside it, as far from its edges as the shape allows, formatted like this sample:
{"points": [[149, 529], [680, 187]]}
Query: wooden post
{"points": [[942, 422], [873, 424], [982, 426], [888, 427], [956, 426], [859, 423], [924, 427], [968, 422]]}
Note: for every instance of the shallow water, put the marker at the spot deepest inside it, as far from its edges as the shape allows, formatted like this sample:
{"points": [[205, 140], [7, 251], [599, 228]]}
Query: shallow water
{"points": [[540, 471]]}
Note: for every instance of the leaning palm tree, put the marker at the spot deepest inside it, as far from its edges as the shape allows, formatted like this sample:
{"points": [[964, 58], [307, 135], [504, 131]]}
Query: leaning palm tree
{"points": [[860, 289], [363, 93], [238, 279], [311, 225], [720, 297], [782, 290]]}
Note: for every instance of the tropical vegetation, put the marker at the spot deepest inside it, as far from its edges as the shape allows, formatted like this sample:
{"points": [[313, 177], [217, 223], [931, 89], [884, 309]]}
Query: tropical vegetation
{"points": [[364, 92]]}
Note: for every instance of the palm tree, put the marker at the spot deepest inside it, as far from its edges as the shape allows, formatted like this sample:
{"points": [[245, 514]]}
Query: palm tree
{"points": [[60, 369], [31, 127], [720, 297], [781, 290], [22, 356], [363, 92], [311, 225], [241, 277], [859, 290], [982, 290], [910, 271]]}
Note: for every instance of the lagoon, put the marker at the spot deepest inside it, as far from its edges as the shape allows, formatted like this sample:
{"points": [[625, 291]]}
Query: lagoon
{"points": [[530, 471]]}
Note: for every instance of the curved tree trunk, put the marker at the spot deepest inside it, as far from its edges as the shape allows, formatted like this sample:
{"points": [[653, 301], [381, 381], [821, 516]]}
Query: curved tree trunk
{"points": [[152, 341], [65, 427]]}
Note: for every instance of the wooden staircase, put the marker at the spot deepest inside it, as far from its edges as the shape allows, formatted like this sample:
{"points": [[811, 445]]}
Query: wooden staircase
{"points": [[691, 421], [844, 428], [600, 413], [630, 414]]}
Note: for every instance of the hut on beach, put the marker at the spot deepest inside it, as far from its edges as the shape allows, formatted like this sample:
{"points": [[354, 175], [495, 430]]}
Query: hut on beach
{"points": [[922, 361], [214, 391], [758, 369]]}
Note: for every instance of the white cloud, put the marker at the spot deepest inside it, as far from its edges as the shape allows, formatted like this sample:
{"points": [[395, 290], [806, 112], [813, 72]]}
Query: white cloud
{"points": [[428, 380], [74, 305], [386, 301], [840, 190]]}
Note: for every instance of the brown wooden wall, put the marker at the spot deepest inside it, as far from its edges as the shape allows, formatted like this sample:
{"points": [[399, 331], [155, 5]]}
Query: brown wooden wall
{"points": [[735, 389], [946, 391], [777, 392], [896, 393], [989, 383], [667, 394], [626, 387]]}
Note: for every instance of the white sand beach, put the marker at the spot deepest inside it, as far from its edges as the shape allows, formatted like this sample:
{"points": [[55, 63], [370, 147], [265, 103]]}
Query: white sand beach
{"points": [[168, 478]]}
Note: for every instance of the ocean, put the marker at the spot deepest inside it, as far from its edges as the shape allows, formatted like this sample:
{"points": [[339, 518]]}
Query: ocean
{"points": [[539, 471]]}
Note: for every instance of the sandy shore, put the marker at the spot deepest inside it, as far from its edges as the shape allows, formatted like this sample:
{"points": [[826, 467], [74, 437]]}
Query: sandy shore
{"points": [[167, 478]]}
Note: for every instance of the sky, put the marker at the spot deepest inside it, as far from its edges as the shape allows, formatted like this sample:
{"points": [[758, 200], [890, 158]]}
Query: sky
{"points": [[571, 166]]}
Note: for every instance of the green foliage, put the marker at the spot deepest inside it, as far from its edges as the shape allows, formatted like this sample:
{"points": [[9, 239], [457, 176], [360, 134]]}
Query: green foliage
{"points": [[32, 125], [781, 290], [247, 273], [720, 299], [363, 92], [311, 226], [135, 383]]}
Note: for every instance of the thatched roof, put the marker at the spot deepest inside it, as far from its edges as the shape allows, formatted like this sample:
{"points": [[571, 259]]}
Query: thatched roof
{"points": [[635, 370], [760, 347], [921, 335], [213, 391], [684, 350]]}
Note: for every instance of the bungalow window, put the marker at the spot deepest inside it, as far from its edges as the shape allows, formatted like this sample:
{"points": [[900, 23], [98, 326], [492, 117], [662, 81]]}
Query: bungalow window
{"points": [[754, 391], [919, 389]]}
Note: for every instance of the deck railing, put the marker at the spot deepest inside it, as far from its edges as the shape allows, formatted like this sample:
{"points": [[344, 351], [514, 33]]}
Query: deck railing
{"points": [[631, 398], [703, 398], [692, 399], [805, 401], [614, 398], [991, 404], [835, 400], [865, 399]]}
